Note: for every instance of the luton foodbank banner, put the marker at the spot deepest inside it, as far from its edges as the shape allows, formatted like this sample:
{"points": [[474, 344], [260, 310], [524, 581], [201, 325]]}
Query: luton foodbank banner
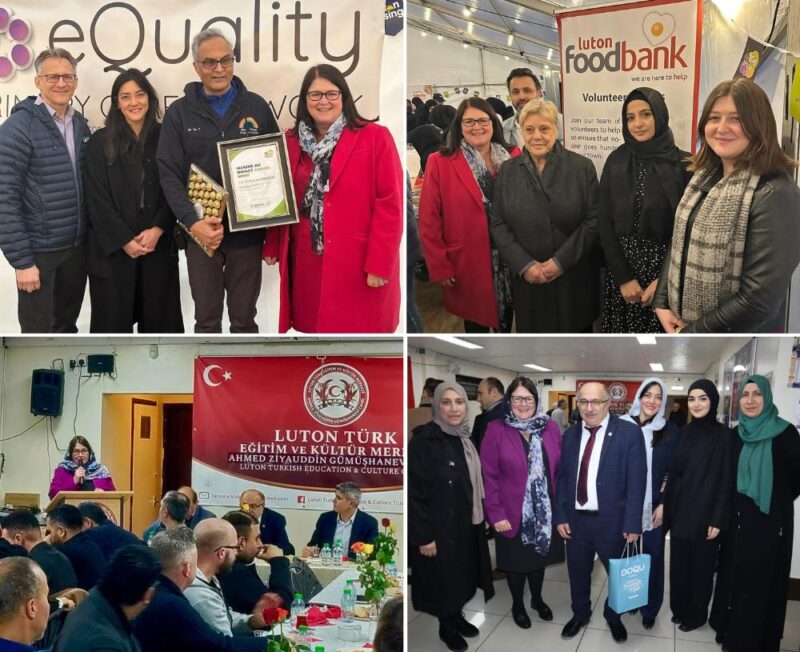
{"points": [[297, 426], [608, 51], [275, 43]]}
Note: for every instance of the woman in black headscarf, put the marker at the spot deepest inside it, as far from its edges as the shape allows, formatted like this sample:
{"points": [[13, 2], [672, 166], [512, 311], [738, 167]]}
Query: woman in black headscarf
{"points": [[446, 536], [697, 506], [643, 181], [749, 607]]}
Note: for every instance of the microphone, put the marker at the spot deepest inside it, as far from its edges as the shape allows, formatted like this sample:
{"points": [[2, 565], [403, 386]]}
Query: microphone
{"points": [[82, 478]]}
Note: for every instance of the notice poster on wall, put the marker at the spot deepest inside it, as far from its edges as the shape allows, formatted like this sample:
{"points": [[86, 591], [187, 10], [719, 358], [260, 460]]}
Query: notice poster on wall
{"points": [[608, 51], [275, 43], [294, 427]]}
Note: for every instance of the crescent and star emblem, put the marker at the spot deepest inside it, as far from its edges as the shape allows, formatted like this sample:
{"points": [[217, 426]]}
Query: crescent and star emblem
{"points": [[226, 375]]}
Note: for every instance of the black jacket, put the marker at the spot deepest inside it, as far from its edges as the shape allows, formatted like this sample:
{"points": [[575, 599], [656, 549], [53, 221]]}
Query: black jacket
{"points": [[482, 420], [86, 557], [771, 254], [110, 538], [56, 566], [171, 623], [96, 624], [190, 133], [273, 530], [365, 529], [242, 587], [10, 550], [535, 218]]}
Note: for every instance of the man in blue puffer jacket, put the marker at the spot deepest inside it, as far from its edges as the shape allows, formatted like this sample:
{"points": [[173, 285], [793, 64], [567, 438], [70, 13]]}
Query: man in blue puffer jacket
{"points": [[42, 209]]}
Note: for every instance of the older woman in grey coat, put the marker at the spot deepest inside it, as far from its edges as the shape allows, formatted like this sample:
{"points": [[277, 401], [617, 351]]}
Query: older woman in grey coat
{"points": [[544, 224]]}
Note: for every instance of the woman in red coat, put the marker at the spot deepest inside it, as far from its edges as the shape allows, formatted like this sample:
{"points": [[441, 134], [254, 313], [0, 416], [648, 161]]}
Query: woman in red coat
{"points": [[339, 264], [454, 219]]}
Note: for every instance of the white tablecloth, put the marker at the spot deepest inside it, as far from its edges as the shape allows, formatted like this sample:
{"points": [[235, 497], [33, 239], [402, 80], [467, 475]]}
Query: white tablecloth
{"points": [[332, 594]]}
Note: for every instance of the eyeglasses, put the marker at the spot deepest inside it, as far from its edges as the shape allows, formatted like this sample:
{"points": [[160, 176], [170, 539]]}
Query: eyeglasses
{"points": [[595, 402], [471, 122], [253, 505], [53, 79], [523, 399], [316, 96], [211, 64]]}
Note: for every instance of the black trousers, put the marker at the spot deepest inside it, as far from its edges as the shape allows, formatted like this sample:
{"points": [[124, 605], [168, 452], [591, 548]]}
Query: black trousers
{"points": [[56, 305], [516, 583], [691, 577], [232, 270]]}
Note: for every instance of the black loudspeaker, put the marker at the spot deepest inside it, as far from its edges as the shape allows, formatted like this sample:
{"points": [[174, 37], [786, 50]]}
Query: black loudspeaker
{"points": [[547, 382], [100, 364], [47, 392]]}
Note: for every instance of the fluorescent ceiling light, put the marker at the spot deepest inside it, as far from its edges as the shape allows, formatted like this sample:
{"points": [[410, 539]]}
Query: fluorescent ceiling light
{"points": [[739, 367], [646, 339], [656, 366], [451, 339], [536, 367], [676, 388]]}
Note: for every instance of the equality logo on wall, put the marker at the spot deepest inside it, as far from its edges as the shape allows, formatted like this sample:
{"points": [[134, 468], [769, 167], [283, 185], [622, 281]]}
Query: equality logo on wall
{"points": [[14, 53], [336, 395]]}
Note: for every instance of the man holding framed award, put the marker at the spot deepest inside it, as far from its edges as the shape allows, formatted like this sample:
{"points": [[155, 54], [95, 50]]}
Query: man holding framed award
{"points": [[217, 108]]}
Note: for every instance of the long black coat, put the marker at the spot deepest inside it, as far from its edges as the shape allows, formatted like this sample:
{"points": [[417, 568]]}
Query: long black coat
{"points": [[535, 218], [124, 199], [698, 492], [440, 510], [749, 605], [96, 624]]}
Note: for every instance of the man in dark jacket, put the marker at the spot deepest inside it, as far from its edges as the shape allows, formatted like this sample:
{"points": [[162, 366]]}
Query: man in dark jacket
{"points": [[241, 585], [65, 525], [21, 529], [42, 210], [197, 512], [490, 396], [346, 523], [23, 604], [108, 536], [217, 108], [170, 622], [272, 524], [102, 622]]}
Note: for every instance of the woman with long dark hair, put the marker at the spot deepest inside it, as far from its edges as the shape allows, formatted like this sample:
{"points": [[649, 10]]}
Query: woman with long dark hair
{"points": [[340, 264], [454, 211], [749, 608], [660, 438], [520, 454], [133, 261], [736, 238], [643, 180]]}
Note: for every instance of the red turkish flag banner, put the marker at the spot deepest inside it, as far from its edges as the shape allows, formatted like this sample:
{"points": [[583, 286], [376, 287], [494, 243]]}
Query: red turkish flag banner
{"points": [[298, 424], [621, 392]]}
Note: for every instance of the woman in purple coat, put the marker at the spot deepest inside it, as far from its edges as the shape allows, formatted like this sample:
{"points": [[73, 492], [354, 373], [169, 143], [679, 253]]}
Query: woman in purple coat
{"points": [[80, 470], [519, 458]]}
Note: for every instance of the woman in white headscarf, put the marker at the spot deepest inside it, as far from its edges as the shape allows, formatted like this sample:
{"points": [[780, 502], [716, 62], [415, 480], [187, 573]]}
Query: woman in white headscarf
{"points": [[447, 540], [660, 437]]}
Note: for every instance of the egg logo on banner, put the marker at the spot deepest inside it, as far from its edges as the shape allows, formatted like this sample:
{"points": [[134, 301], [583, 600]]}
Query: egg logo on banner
{"points": [[18, 32], [336, 394], [658, 27]]}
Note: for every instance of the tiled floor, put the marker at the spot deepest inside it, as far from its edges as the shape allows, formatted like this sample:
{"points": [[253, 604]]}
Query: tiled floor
{"points": [[500, 634]]}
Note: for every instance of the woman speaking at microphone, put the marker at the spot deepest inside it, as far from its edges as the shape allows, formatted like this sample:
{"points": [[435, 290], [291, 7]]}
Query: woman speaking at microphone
{"points": [[80, 470]]}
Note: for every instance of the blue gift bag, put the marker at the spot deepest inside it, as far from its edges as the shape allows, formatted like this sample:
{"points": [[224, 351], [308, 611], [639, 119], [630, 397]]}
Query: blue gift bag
{"points": [[628, 580]]}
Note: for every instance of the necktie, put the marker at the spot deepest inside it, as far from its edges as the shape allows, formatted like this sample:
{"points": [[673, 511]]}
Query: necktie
{"points": [[583, 495]]}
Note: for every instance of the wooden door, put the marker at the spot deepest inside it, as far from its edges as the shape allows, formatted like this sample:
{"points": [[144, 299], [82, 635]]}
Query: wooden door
{"points": [[146, 462]]}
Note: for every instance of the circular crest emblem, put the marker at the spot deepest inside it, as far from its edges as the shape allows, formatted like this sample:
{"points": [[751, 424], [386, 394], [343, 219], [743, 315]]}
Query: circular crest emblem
{"points": [[617, 392], [336, 394]]}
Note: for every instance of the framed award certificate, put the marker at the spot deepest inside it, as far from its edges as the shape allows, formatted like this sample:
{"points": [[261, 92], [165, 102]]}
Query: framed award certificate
{"points": [[256, 174]]}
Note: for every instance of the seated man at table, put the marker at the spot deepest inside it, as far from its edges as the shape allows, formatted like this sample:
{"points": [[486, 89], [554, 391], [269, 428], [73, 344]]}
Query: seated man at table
{"points": [[346, 523], [242, 586], [21, 528], [65, 525], [108, 536], [273, 524], [217, 545], [170, 622], [23, 604], [173, 513], [101, 622], [197, 512]]}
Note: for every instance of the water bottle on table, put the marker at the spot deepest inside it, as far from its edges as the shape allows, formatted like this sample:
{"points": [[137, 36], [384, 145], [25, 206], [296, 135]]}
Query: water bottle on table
{"points": [[338, 551], [298, 608], [348, 603], [325, 555]]}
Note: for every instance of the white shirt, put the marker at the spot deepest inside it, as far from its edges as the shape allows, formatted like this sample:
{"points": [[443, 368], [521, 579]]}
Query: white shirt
{"points": [[594, 465], [343, 531]]}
